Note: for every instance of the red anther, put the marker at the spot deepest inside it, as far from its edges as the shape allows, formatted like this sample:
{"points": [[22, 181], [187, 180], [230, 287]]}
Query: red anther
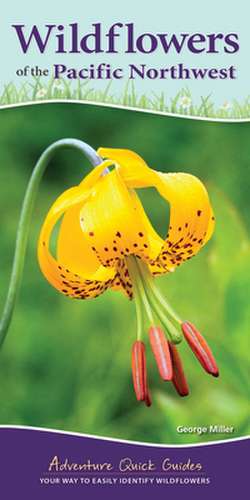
{"points": [[160, 348], [200, 348], [148, 400], [139, 370], [179, 379]]}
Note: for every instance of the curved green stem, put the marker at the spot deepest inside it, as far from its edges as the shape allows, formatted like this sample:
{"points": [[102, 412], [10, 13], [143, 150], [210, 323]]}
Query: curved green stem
{"points": [[25, 219]]}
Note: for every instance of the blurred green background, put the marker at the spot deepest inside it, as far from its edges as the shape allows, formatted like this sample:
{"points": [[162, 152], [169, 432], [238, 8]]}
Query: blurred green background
{"points": [[65, 363]]}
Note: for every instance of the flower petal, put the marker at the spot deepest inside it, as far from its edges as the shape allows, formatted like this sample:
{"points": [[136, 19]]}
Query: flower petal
{"points": [[73, 278], [114, 223], [134, 169], [73, 251], [191, 217]]}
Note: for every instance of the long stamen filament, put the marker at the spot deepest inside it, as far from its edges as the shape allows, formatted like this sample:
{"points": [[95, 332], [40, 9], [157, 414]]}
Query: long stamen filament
{"points": [[157, 294], [146, 305], [139, 294], [139, 314], [174, 335], [144, 296], [164, 302]]}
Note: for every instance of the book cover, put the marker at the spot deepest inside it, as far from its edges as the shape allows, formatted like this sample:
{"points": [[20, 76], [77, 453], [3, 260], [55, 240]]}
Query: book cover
{"points": [[124, 189]]}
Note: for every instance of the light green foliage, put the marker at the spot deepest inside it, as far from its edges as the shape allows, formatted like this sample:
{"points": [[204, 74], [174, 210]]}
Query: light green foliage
{"points": [[181, 104], [65, 363]]}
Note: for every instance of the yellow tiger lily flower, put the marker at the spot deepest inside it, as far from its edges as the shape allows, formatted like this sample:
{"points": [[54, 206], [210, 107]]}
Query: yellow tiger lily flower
{"points": [[104, 222], [106, 241]]}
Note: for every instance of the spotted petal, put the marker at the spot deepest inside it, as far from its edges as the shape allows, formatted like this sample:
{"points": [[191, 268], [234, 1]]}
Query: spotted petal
{"points": [[191, 217], [115, 224], [76, 272]]}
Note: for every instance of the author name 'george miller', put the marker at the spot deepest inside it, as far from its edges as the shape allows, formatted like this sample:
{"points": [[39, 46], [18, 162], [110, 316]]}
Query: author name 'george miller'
{"points": [[126, 464], [211, 429]]}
